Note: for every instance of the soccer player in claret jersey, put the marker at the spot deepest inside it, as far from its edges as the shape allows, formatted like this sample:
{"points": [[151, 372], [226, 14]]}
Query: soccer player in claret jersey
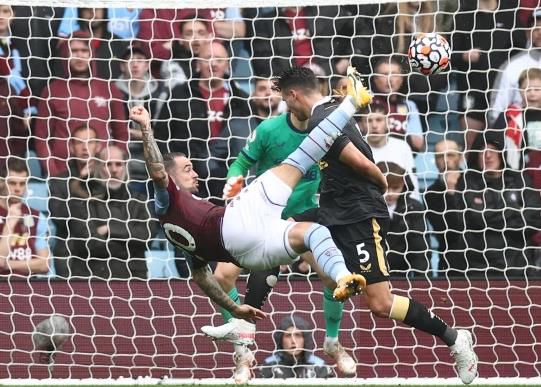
{"points": [[354, 210], [249, 231], [270, 144]]}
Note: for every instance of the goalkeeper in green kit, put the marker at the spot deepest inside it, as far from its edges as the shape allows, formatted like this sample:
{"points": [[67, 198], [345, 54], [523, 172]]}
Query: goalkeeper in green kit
{"points": [[271, 143]]}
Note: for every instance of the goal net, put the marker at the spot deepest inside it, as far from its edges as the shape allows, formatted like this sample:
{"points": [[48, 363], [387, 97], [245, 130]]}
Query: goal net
{"points": [[82, 255]]}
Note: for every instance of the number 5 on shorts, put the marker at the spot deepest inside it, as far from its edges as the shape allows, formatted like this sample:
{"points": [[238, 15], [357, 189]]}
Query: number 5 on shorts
{"points": [[364, 256]]}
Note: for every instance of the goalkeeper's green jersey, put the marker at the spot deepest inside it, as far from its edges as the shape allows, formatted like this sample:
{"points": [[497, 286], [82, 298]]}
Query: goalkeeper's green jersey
{"points": [[271, 142]]}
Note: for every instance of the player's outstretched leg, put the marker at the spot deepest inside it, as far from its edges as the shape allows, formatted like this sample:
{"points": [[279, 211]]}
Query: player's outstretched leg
{"points": [[459, 341], [465, 357], [333, 311]]}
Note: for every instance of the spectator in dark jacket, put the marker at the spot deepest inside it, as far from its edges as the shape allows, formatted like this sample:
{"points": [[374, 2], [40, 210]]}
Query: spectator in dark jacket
{"points": [[206, 118], [138, 87], [484, 37], [293, 357], [407, 244], [109, 235], [194, 34], [71, 187], [283, 37], [451, 247], [501, 211]]}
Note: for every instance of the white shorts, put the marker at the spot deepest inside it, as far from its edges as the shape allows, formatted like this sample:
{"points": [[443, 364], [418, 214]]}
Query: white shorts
{"points": [[253, 231]]}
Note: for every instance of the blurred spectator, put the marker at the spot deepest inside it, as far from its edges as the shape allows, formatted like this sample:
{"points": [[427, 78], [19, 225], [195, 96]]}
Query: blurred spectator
{"points": [[522, 124], [109, 235], [71, 187], [526, 10], [106, 47], [194, 34], [41, 24], [294, 356], [451, 247], [138, 87], [265, 102], [73, 99], [205, 118], [14, 108], [485, 34], [403, 118], [11, 67], [500, 211], [159, 28], [122, 22], [283, 37], [224, 23], [398, 23], [407, 244], [23, 244], [387, 148], [506, 89]]}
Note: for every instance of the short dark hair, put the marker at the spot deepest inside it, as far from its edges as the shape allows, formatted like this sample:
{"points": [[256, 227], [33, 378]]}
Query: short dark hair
{"points": [[169, 159], [376, 106], [301, 77], [14, 164], [394, 59], [83, 127], [394, 173]]}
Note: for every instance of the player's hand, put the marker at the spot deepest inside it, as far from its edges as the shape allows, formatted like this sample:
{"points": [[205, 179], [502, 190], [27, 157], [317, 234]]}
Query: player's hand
{"points": [[233, 186], [139, 115], [248, 313]]}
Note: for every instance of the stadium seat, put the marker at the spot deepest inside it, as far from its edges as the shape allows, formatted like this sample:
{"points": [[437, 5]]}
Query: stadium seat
{"points": [[37, 196], [161, 263]]}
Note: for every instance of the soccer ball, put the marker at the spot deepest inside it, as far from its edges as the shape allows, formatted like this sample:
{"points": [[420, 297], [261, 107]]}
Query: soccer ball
{"points": [[429, 53]]}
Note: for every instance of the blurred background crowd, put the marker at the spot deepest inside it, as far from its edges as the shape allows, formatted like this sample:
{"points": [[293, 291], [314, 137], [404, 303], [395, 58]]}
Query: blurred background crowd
{"points": [[461, 150]]}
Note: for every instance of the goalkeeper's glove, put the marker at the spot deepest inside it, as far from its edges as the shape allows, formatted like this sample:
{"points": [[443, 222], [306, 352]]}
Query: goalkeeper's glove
{"points": [[233, 186]]}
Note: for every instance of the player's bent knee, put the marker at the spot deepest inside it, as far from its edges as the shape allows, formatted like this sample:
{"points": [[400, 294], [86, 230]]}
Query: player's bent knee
{"points": [[381, 306], [296, 236]]}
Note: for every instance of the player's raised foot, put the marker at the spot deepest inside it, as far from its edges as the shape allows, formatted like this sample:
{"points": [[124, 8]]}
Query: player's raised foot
{"points": [[465, 357], [236, 331], [243, 358], [344, 362], [360, 95], [349, 285]]}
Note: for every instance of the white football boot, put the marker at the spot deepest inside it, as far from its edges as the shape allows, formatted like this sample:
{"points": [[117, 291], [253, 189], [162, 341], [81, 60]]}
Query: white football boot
{"points": [[244, 359], [465, 357], [236, 331], [345, 363]]}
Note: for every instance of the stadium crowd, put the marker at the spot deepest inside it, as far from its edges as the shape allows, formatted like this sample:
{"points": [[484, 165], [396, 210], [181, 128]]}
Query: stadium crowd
{"points": [[461, 150]]}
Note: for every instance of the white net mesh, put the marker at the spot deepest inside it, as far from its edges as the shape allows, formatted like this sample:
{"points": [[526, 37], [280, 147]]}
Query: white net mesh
{"points": [[465, 243]]}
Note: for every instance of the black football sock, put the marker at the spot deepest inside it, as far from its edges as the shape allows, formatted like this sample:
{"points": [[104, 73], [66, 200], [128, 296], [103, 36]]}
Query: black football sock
{"points": [[418, 316], [259, 286]]}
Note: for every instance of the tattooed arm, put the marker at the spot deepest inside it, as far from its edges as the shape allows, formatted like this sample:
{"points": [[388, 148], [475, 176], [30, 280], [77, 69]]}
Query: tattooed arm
{"points": [[152, 154], [206, 281]]}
